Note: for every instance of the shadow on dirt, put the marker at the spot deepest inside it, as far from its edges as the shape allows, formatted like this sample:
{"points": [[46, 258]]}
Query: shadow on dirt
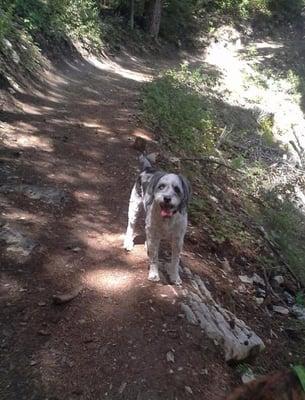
{"points": [[73, 136]]}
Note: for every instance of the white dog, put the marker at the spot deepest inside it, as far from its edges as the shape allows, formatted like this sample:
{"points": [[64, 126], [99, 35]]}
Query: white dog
{"points": [[165, 198]]}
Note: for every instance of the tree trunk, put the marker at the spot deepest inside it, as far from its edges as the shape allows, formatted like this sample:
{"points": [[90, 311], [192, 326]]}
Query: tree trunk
{"points": [[131, 21], [154, 8]]}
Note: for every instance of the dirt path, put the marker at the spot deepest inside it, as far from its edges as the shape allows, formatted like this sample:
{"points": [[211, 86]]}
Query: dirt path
{"points": [[72, 136]]}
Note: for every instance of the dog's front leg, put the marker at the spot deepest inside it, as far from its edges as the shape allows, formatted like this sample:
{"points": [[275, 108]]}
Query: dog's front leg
{"points": [[173, 268], [153, 244], [133, 211]]}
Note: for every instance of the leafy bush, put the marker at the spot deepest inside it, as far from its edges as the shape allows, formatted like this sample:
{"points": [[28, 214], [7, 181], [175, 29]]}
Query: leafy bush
{"points": [[173, 104], [54, 20], [6, 11], [286, 224], [249, 8]]}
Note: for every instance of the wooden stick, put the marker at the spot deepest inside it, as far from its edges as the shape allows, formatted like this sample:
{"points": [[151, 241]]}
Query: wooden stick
{"points": [[212, 160]]}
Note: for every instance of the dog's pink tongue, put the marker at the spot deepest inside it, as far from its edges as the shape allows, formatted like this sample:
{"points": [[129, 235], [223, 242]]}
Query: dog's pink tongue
{"points": [[166, 213]]}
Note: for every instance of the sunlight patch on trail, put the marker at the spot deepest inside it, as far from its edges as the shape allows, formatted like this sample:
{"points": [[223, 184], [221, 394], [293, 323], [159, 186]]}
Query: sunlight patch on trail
{"points": [[248, 83], [109, 280], [18, 140], [112, 67]]}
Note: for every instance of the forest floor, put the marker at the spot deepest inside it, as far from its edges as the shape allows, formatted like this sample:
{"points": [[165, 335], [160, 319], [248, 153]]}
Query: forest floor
{"points": [[67, 165]]}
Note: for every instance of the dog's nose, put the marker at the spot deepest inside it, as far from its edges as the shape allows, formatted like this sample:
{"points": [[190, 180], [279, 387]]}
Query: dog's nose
{"points": [[166, 199]]}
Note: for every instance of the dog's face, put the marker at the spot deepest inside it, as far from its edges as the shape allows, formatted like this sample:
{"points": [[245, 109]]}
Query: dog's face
{"points": [[171, 192]]}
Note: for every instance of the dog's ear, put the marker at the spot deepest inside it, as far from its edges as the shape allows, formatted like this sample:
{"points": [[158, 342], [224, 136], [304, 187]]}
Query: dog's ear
{"points": [[151, 187], [186, 193]]}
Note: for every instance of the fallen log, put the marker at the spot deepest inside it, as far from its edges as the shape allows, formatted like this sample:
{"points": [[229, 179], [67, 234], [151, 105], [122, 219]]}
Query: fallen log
{"points": [[237, 339]]}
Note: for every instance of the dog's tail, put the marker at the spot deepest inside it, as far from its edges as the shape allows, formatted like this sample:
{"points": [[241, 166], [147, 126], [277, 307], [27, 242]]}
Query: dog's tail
{"points": [[146, 161]]}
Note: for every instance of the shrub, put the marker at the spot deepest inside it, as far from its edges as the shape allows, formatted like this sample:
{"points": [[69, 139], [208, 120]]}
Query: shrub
{"points": [[173, 104]]}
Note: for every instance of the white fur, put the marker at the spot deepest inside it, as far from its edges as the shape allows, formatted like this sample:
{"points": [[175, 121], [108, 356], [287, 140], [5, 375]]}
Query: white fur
{"points": [[158, 227]]}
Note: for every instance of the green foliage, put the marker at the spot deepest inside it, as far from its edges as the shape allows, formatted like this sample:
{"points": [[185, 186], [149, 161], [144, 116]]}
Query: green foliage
{"points": [[266, 129], [54, 19], [6, 12], [174, 105], [300, 299], [286, 225], [245, 9]]}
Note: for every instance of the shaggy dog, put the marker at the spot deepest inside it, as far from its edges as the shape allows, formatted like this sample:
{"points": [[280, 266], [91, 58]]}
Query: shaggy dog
{"points": [[165, 197]]}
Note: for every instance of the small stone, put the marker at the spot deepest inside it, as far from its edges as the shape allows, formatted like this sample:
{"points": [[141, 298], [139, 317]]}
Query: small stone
{"points": [[32, 363], [245, 279], [299, 312], [260, 292], [76, 249], [43, 332], [279, 279], [280, 310], [288, 298], [248, 376], [42, 304], [188, 390], [226, 265], [170, 357], [258, 280], [259, 300]]}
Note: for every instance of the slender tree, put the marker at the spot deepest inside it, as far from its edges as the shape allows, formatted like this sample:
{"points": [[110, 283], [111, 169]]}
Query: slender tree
{"points": [[154, 8], [132, 9]]}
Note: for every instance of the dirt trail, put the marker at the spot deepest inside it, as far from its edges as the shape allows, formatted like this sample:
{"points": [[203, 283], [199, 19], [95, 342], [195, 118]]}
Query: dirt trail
{"points": [[72, 135]]}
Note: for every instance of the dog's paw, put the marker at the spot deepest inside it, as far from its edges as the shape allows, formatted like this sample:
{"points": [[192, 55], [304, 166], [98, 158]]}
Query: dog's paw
{"points": [[153, 276], [175, 280], [128, 244]]}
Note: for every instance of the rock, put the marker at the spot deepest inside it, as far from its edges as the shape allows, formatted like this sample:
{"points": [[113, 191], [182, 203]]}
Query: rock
{"points": [[190, 316], [280, 310], [299, 312], [174, 160], [254, 279], [245, 279], [248, 376], [188, 390], [170, 357], [288, 298], [152, 157], [17, 244], [279, 279], [226, 265], [260, 292], [258, 280], [66, 297], [259, 300], [43, 332]]}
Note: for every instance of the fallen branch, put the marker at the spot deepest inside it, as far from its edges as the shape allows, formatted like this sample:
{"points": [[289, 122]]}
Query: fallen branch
{"points": [[238, 341], [277, 252], [212, 159]]}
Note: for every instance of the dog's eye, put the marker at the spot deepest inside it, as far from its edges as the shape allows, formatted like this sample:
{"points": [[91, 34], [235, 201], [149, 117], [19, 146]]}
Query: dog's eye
{"points": [[161, 187], [177, 190]]}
